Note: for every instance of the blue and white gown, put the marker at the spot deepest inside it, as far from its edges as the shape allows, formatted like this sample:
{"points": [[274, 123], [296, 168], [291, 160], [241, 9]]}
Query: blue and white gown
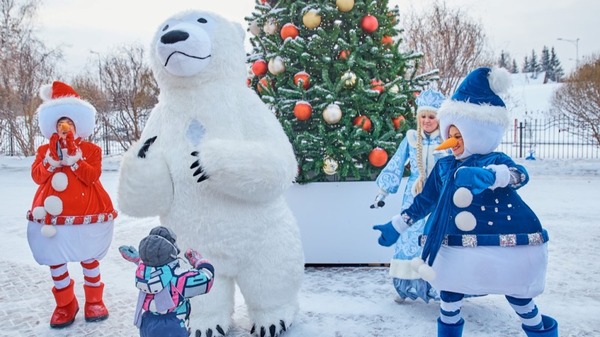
{"points": [[407, 282]]}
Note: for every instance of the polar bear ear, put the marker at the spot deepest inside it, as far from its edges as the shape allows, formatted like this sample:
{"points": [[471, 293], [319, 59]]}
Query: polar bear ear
{"points": [[241, 32]]}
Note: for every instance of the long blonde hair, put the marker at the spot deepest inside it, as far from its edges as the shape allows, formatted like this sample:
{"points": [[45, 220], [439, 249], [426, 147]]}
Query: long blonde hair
{"points": [[418, 185]]}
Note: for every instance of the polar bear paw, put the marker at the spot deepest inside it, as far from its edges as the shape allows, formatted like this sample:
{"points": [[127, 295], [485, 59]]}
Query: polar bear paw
{"points": [[198, 169], [271, 331], [216, 332]]}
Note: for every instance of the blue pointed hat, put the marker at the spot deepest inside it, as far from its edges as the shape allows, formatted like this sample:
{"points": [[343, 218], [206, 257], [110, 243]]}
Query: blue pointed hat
{"points": [[429, 100], [477, 110]]}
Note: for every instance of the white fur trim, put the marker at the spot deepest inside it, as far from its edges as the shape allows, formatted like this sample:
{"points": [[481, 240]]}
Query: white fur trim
{"points": [[38, 213], [427, 108], [82, 113], [416, 262], [59, 181], [403, 269], [499, 79], [462, 197], [502, 175], [427, 273], [399, 225], [465, 221], [411, 137], [53, 205], [482, 113], [46, 92], [48, 231]]}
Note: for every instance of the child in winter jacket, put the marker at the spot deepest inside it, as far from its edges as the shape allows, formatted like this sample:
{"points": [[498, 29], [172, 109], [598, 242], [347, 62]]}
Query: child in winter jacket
{"points": [[163, 306]]}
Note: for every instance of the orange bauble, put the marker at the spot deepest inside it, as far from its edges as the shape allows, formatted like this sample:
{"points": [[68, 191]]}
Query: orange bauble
{"points": [[369, 24], [259, 67], [302, 77], [364, 121], [387, 40], [343, 55], [302, 110], [289, 30], [264, 83], [397, 121], [377, 85], [378, 157]]}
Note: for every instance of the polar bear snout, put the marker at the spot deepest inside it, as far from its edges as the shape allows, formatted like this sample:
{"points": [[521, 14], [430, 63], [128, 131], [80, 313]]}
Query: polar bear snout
{"points": [[174, 36]]}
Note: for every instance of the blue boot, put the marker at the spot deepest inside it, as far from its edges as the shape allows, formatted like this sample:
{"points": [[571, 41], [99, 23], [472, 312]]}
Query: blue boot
{"points": [[550, 328], [450, 330]]}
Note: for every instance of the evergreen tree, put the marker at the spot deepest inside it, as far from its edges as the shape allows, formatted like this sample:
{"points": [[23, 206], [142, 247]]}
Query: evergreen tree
{"points": [[503, 61], [514, 69], [545, 66], [557, 70], [334, 76], [526, 67], [534, 65]]}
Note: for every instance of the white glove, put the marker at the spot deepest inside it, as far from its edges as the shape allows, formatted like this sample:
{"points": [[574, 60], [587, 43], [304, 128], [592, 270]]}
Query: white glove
{"points": [[502, 175], [379, 200], [53, 162], [71, 160]]}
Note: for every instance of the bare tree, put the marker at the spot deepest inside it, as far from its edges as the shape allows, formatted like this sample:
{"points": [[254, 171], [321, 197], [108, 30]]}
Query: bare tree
{"points": [[25, 65], [124, 96], [450, 41], [578, 100]]}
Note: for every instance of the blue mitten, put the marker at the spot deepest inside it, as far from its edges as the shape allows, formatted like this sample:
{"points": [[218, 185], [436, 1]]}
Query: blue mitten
{"points": [[476, 179], [130, 254], [389, 234]]}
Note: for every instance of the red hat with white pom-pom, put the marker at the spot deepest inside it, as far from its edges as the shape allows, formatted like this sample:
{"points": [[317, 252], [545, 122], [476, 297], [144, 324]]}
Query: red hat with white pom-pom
{"points": [[61, 100]]}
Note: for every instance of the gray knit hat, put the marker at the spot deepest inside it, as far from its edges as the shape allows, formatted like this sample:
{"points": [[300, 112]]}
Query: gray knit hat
{"points": [[159, 248]]}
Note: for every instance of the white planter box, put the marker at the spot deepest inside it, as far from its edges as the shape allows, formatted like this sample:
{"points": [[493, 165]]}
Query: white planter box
{"points": [[336, 222]]}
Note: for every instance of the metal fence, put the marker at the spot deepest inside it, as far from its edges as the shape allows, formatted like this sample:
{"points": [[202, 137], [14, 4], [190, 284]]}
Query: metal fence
{"points": [[548, 138]]}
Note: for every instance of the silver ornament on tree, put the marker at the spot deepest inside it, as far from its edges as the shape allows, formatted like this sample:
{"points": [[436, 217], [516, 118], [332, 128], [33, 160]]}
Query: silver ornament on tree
{"points": [[276, 65], [332, 114]]}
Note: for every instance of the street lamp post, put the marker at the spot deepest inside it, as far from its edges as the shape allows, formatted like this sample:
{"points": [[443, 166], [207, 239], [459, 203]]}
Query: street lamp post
{"points": [[576, 43]]}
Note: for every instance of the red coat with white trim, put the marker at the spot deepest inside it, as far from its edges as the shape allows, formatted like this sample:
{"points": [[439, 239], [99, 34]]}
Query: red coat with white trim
{"points": [[83, 196]]}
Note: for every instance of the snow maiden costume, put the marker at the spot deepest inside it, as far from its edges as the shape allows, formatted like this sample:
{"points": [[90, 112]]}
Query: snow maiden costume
{"points": [[418, 147], [480, 237], [71, 217]]}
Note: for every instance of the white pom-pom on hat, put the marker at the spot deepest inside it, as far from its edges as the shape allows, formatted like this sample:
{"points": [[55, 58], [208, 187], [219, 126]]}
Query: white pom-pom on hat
{"points": [[38, 213], [53, 205], [48, 231], [46, 92], [59, 181], [499, 79]]}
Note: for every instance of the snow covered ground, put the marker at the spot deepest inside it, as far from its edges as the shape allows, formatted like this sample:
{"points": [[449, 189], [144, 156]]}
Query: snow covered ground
{"points": [[335, 302]]}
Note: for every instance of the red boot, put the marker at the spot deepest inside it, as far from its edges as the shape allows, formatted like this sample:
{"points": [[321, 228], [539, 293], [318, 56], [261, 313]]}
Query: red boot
{"points": [[66, 307], [94, 307]]}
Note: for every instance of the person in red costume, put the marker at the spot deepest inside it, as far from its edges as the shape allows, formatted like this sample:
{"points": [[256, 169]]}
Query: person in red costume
{"points": [[71, 217]]}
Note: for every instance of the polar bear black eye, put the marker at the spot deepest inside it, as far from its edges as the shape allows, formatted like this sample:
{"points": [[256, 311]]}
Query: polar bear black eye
{"points": [[202, 20], [165, 28]]}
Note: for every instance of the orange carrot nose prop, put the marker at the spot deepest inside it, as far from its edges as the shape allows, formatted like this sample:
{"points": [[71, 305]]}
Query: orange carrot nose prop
{"points": [[448, 144], [64, 127]]}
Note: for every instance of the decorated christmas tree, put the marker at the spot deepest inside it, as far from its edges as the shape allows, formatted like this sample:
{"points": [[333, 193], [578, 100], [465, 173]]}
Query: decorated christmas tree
{"points": [[334, 75]]}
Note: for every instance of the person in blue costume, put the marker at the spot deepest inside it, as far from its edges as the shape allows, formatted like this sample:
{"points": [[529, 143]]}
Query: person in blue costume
{"points": [[418, 148], [480, 237]]}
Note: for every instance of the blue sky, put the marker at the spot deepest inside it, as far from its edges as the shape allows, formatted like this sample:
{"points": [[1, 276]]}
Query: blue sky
{"points": [[517, 26]]}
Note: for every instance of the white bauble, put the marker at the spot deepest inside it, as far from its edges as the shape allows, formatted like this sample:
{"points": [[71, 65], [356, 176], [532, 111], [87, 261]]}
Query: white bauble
{"points": [[332, 114], [276, 65]]}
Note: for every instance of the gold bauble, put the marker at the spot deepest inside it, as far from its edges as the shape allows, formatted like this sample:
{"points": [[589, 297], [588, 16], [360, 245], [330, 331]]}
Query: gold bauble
{"points": [[311, 19], [349, 79], [330, 166], [344, 5]]}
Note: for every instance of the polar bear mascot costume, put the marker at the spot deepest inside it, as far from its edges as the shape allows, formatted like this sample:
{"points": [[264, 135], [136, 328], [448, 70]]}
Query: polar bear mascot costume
{"points": [[213, 163]]}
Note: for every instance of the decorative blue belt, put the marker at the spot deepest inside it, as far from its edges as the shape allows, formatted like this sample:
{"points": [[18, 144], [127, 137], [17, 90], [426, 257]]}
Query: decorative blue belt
{"points": [[501, 240]]}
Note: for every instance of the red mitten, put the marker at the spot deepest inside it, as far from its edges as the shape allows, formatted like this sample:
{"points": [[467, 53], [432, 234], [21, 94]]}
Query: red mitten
{"points": [[70, 144], [54, 146]]}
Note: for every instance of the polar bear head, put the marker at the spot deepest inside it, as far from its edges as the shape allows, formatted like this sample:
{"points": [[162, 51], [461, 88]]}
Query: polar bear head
{"points": [[197, 46]]}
